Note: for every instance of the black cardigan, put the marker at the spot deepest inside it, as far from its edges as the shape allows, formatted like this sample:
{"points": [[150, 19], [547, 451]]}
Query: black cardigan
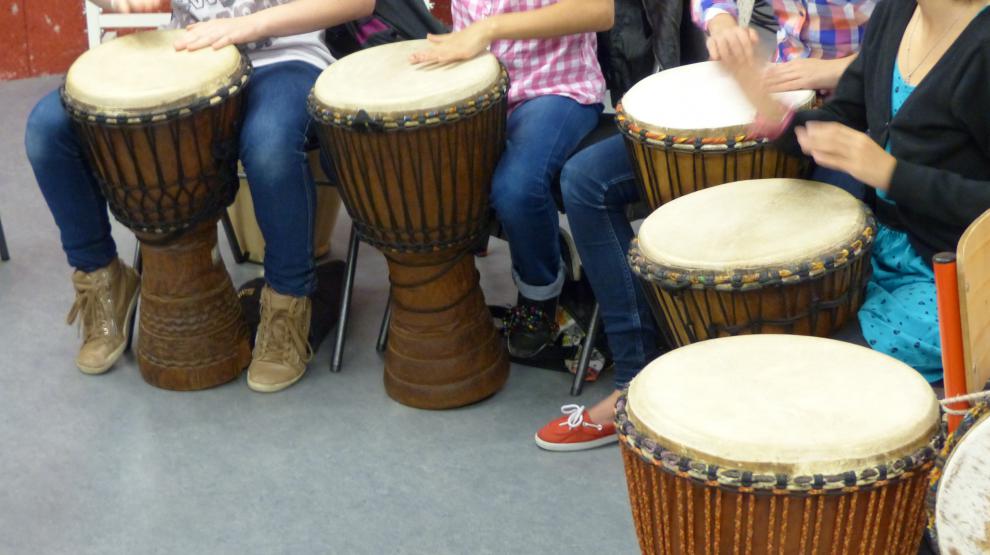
{"points": [[940, 137]]}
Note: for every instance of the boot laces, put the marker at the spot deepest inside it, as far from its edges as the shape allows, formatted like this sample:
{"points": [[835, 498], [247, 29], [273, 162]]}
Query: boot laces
{"points": [[93, 309], [280, 338]]}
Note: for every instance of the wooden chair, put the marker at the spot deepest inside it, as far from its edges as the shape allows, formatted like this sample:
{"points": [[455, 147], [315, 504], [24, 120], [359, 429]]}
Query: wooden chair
{"points": [[97, 22], [962, 281]]}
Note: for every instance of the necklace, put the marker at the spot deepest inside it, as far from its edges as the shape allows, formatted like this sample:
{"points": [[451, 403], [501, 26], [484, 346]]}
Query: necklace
{"points": [[907, 53]]}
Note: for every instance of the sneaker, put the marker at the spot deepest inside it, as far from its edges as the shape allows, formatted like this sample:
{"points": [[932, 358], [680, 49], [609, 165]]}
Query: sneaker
{"points": [[281, 350], [531, 326], [574, 432], [104, 306]]}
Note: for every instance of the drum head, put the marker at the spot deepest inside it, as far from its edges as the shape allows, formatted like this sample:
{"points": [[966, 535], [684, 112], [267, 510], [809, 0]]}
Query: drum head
{"points": [[697, 101], [786, 404], [757, 224], [382, 81], [962, 501], [142, 73]]}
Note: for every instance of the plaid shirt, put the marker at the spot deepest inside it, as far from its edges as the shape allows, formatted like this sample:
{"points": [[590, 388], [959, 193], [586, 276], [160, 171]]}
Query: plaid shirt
{"points": [[564, 66], [826, 29]]}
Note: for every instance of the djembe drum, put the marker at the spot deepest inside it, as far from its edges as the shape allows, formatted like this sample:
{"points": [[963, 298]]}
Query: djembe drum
{"points": [[159, 129], [686, 129], [959, 498], [778, 444], [760, 256], [415, 148]]}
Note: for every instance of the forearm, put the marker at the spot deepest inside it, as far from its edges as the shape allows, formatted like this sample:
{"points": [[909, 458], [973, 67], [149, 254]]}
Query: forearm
{"points": [[836, 67], [304, 16], [105, 5], [704, 12], [567, 17]]}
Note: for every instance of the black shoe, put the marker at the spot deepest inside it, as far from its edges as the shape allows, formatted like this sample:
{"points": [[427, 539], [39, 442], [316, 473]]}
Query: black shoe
{"points": [[531, 326]]}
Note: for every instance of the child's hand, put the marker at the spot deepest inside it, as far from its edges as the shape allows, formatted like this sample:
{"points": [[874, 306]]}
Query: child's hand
{"points": [[139, 6], [453, 47], [841, 148], [731, 44], [218, 33], [805, 73]]}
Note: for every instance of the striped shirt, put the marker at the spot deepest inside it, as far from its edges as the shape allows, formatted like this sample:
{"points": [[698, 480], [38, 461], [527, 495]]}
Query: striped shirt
{"points": [[825, 29], [564, 66]]}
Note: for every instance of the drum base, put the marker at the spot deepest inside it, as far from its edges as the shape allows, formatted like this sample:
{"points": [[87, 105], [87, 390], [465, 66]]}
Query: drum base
{"points": [[443, 349], [675, 515], [193, 334]]}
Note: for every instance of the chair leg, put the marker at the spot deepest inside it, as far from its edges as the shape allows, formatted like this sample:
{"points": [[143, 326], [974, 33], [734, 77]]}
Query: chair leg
{"points": [[235, 246], [382, 342], [4, 253], [345, 301], [586, 349], [138, 267]]}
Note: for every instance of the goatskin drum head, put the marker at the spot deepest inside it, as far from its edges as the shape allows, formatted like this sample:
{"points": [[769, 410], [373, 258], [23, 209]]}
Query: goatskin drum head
{"points": [[786, 404]]}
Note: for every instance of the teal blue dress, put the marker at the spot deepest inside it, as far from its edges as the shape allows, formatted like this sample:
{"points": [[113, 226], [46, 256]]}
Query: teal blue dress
{"points": [[899, 316]]}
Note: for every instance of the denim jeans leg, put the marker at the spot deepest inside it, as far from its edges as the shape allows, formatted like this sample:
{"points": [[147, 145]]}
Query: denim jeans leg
{"points": [[598, 183], [272, 149], [68, 185], [541, 134]]}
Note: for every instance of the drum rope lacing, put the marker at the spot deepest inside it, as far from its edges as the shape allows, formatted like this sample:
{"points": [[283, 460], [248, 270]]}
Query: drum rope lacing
{"points": [[179, 204], [366, 188], [657, 455], [978, 396]]}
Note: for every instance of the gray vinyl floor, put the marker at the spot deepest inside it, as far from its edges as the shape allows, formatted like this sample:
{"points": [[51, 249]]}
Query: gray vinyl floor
{"points": [[108, 464]]}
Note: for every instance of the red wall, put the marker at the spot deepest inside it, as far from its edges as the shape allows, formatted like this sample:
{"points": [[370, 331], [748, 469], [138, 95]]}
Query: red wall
{"points": [[42, 36]]}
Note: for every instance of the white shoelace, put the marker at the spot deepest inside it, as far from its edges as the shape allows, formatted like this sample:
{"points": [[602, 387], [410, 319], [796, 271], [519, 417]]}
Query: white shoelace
{"points": [[575, 417]]}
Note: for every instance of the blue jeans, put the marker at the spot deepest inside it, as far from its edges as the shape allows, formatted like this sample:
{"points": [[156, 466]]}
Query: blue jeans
{"points": [[597, 184], [272, 150], [541, 134]]}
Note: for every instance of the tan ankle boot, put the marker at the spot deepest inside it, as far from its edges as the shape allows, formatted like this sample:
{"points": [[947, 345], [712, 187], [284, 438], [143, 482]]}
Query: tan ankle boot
{"points": [[281, 348], [104, 306]]}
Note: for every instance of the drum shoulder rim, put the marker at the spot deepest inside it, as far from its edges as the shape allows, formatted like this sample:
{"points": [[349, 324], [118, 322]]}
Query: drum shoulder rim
{"points": [[636, 132], [743, 481], [677, 278], [89, 114], [362, 120], [976, 415]]}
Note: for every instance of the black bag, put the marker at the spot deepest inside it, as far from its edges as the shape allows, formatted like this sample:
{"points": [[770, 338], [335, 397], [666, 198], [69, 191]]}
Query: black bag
{"points": [[392, 21]]}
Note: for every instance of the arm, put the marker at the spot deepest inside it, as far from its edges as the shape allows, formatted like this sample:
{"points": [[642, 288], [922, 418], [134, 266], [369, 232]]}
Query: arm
{"points": [[943, 195], [299, 16], [566, 17], [703, 11], [807, 73], [727, 41], [847, 106], [939, 194], [132, 6]]}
